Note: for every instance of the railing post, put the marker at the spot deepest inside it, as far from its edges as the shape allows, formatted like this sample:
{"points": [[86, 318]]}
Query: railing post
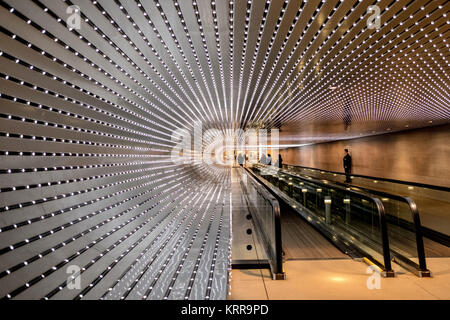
{"points": [[327, 209], [419, 238], [304, 191], [348, 217], [384, 238], [279, 273]]}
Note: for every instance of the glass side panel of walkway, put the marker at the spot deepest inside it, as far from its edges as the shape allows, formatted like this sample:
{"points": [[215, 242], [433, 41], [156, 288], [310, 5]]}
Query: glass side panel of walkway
{"points": [[433, 202], [364, 221]]}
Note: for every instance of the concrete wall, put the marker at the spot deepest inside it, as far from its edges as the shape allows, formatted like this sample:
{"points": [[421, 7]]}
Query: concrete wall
{"points": [[421, 155]]}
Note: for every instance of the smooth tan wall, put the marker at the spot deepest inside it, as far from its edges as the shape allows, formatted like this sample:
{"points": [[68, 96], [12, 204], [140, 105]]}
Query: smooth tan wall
{"points": [[421, 155]]}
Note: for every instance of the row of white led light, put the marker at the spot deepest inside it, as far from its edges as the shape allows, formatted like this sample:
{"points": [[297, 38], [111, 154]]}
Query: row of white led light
{"points": [[206, 240], [231, 53], [374, 72], [255, 55], [101, 238], [219, 244], [210, 105], [173, 178], [81, 103], [336, 64], [155, 177], [103, 35], [298, 62], [127, 282], [220, 59], [263, 111], [133, 272], [140, 51], [121, 96], [85, 178], [149, 279], [364, 77], [129, 276], [242, 63], [71, 140], [128, 248], [73, 211], [143, 10], [161, 40], [291, 54], [208, 60], [304, 66], [94, 187], [195, 219]]}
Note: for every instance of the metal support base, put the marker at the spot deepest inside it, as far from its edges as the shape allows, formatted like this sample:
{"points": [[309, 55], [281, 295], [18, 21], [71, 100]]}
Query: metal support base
{"points": [[279, 276]]}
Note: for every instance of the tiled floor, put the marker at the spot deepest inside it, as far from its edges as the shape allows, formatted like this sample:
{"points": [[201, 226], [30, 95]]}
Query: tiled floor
{"points": [[340, 279]]}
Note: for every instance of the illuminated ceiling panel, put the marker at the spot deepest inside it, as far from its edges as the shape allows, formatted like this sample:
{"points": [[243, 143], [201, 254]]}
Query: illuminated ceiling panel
{"points": [[291, 64]]}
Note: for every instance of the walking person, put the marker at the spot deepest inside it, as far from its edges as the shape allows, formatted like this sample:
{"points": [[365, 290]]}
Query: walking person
{"points": [[269, 160], [241, 159], [347, 166], [263, 159]]}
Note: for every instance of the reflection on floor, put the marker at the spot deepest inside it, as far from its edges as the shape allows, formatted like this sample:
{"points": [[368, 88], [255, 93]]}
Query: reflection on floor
{"points": [[340, 279]]}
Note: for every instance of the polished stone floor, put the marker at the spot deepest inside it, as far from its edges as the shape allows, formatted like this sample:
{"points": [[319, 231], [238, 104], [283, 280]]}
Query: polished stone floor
{"points": [[340, 279]]}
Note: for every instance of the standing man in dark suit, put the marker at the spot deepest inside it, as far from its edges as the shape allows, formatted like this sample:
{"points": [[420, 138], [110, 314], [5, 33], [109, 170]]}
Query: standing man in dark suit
{"points": [[347, 166], [280, 161]]}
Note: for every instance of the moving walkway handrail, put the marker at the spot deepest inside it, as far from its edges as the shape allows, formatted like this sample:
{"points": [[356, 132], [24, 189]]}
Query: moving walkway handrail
{"points": [[275, 258], [424, 231], [421, 268], [411, 183], [379, 209]]}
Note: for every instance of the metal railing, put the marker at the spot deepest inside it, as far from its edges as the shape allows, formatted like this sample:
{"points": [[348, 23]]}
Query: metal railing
{"points": [[265, 212], [422, 194], [409, 183], [414, 226], [337, 231]]}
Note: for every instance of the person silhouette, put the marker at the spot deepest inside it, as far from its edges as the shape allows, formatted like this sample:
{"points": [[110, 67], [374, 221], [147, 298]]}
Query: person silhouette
{"points": [[280, 162], [263, 159], [241, 159], [347, 166]]}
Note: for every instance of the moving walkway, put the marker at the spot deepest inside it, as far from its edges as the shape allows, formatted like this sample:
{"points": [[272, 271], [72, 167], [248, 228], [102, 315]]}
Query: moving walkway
{"points": [[433, 201], [358, 222], [266, 232]]}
